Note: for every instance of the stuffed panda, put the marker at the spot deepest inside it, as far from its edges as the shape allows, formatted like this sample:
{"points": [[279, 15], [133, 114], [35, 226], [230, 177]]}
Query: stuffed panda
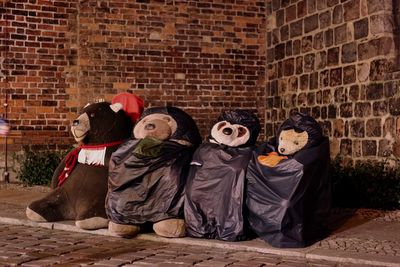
{"points": [[288, 192], [214, 197], [147, 174], [81, 179]]}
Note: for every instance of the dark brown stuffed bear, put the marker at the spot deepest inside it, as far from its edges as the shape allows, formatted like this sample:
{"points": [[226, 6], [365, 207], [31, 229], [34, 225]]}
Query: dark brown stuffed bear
{"points": [[80, 181]]}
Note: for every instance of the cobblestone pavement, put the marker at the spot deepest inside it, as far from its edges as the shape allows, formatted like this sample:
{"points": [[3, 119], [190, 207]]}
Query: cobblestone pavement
{"points": [[31, 247]]}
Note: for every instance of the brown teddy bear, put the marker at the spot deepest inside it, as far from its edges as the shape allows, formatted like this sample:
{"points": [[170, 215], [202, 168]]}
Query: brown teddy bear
{"points": [[148, 174], [80, 181]]}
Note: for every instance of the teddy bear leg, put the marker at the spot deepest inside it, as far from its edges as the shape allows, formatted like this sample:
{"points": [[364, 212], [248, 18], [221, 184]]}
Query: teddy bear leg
{"points": [[92, 223], [123, 230], [170, 228], [53, 207]]}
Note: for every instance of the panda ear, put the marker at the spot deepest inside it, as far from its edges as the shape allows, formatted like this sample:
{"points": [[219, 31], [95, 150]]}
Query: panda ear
{"points": [[116, 107]]}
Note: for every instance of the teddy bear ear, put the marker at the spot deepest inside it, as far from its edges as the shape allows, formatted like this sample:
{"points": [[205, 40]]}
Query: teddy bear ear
{"points": [[116, 107]]}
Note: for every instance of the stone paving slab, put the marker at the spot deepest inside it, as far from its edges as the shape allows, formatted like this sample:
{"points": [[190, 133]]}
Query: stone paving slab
{"points": [[365, 237]]}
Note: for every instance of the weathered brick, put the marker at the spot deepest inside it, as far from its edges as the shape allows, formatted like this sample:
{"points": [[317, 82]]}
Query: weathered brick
{"points": [[320, 60], [379, 69], [361, 28], [375, 47], [357, 128], [349, 52], [374, 128], [349, 74], [379, 5], [333, 56], [346, 147], [301, 9], [351, 10], [337, 15], [318, 41], [309, 62], [325, 19], [341, 34], [382, 23], [362, 109], [296, 28], [394, 106], [346, 110], [291, 13], [288, 67], [311, 23], [335, 77], [369, 148], [374, 91], [306, 44], [328, 36]]}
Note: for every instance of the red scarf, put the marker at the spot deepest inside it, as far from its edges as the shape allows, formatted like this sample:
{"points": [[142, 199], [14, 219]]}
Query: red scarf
{"points": [[72, 158]]}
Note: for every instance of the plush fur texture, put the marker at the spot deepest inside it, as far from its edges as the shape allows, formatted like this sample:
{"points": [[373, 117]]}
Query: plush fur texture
{"points": [[82, 196]]}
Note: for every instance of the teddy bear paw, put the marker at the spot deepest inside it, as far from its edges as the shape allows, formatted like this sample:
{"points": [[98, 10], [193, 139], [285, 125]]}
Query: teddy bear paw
{"points": [[170, 228], [123, 230], [92, 223], [271, 159], [34, 216]]}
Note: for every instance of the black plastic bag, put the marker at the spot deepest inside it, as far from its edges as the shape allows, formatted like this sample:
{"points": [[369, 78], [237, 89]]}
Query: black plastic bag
{"points": [[288, 205], [147, 176], [215, 192]]}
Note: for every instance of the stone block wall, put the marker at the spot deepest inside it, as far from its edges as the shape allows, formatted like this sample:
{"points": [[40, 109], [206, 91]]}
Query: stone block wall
{"points": [[338, 61]]}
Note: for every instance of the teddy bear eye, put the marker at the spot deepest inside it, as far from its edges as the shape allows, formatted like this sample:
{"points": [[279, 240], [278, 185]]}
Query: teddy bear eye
{"points": [[92, 115], [222, 124], [241, 131], [296, 143], [167, 119]]}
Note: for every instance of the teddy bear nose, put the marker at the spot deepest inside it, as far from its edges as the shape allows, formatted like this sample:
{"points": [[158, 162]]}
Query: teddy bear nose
{"points": [[150, 126], [282, 150], [75, 123], [227, 131]]}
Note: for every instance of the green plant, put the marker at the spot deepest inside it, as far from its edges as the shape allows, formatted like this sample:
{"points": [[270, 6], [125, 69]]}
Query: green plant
{"points": [[367, 185], [37, 167]]}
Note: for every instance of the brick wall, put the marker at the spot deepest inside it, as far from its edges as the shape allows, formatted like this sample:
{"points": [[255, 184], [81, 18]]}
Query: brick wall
{"points": [[337, 60], [37, 39], [202, 56]]}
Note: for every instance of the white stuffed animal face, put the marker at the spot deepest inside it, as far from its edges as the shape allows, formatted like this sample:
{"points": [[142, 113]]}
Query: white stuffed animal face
{"points": [[291, 141], [229, 134], [157, 125]]}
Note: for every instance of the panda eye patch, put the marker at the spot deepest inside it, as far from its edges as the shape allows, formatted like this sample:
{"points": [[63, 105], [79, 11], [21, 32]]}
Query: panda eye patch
{"points": [[222, 124], [241, 131]]}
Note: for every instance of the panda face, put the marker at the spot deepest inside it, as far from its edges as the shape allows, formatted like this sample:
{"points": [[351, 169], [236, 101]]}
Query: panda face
{"points": [[157, 125], [291, 141], [229, 134]]}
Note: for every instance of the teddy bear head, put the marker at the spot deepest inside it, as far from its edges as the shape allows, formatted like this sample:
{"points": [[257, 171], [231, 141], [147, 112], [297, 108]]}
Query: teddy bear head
{"points": [[167, 123], [236, 128], [101, 123], [299, 132]]}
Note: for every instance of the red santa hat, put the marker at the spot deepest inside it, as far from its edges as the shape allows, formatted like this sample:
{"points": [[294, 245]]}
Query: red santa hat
{"points": [[132, 104]]}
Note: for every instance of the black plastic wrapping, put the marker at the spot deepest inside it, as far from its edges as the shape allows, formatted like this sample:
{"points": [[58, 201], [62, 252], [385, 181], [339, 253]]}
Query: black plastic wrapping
{"points": [[288, 205], [147, 176], [147, 188], [215, 192]]}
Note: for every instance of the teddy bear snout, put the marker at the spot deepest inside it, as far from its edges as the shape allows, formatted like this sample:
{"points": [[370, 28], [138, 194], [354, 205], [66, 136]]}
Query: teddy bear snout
{"points": [[227, 131], [150, 126]]}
